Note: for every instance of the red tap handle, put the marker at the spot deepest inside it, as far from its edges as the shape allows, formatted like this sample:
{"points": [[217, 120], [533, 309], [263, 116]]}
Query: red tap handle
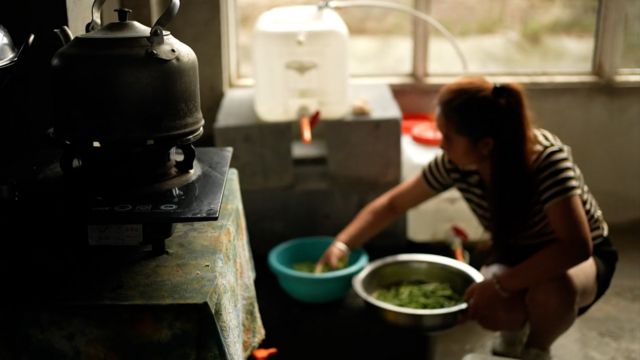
{"points": [[460, 233], [314, 119]]}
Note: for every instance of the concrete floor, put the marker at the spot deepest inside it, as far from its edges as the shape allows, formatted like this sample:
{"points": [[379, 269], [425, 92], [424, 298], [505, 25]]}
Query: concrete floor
{"points": [[345, 330]]}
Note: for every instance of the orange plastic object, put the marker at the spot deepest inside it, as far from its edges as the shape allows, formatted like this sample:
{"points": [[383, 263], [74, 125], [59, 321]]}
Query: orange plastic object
{"points": [[426, 133], [409, 120], [459, 236], [305, 129], [458, 254], [417, 116], [262, 354]]}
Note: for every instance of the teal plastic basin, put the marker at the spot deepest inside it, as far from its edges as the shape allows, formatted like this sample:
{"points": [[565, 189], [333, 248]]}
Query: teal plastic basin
{"points": [[310, 287]]}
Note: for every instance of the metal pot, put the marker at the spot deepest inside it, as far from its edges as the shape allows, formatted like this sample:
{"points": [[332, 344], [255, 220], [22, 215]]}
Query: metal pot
{"points": [[392, 270], [126, 85], [8, 52]]}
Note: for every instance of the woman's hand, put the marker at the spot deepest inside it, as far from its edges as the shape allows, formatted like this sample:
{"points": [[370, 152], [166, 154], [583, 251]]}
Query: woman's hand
{"points": [[374, 217], [493, 309], [334, 257]]}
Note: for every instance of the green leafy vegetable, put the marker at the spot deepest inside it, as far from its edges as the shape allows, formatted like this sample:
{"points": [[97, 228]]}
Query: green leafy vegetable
{"points": [[431, 295], [308, 266]]}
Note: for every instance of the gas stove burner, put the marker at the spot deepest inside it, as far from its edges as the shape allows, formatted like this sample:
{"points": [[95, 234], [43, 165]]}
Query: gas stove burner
{"points": [[141, 214], [189, 196], [195, 195], [130, 169]]}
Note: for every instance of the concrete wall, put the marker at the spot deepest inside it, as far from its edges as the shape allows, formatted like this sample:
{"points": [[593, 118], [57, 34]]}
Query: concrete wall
{"points": [[601, 123], [291, 189]]}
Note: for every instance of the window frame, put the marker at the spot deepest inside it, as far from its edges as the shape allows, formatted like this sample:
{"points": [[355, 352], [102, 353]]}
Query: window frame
{"points": [[609, 37]]}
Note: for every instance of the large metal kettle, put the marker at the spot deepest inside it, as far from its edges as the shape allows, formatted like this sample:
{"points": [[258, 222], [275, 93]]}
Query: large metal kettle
{"points": [[126, 85]]}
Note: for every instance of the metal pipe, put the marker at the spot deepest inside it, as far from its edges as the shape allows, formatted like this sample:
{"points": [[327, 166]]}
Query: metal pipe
{"points": [[403, 8]]}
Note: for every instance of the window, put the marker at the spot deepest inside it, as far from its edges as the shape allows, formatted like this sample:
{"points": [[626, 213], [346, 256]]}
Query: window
{"points": [[516, 36], [631, 44], [499, 37]]}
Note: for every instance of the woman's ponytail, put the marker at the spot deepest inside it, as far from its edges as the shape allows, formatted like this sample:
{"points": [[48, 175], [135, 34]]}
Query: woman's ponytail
{"points": [[478, 109], [511, 181]]}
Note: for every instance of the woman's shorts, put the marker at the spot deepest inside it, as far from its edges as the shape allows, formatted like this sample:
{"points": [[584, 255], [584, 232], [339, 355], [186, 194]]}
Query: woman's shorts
{"points": [[604, 254], [606, 258]]}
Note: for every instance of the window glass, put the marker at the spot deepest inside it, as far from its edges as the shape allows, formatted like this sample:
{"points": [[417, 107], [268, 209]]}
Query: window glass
{"points": [[514, 36], [495, 36], [380, 39], [631, 45]]}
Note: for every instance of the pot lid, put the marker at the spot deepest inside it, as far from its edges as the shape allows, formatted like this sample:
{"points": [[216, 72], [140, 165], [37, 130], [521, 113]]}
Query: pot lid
{"points": [[123, 28]]}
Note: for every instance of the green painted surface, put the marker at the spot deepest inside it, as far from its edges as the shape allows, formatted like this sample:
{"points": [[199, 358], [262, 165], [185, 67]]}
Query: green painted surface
{"points": [[196, 301]]}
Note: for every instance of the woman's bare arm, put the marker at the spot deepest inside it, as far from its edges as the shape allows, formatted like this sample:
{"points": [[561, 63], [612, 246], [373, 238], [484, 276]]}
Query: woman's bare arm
{"points": [[378, 214], [374, 217]]}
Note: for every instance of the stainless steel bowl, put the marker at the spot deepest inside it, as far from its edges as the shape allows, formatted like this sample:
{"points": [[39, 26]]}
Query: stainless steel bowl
{"points": [[392, 270]]}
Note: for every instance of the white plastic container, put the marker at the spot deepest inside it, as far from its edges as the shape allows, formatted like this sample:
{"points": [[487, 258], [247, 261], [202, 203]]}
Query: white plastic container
{"points": [[300, 63], [433, 219]]}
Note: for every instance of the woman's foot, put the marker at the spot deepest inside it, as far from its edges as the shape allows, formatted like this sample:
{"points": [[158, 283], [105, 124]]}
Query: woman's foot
{"points": [[535, 354], [510, 343]]}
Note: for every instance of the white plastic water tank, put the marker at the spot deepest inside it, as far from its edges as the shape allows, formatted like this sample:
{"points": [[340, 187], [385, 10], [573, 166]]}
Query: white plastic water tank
{"points": [[433, 220], [300, 62]]}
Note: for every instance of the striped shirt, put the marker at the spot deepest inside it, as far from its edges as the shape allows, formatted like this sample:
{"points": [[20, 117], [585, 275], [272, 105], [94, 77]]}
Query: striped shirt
{"points": [[556, 177]]}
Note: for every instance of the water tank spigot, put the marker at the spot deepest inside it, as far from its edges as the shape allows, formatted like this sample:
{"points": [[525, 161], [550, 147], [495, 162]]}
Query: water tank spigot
{"points": [[307, 123], [323, 5]]}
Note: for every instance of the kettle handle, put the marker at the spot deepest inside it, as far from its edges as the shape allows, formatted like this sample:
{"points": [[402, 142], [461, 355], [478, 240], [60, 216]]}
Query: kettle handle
{"points": [[157, 30], [168, 14], [95, 16]]}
